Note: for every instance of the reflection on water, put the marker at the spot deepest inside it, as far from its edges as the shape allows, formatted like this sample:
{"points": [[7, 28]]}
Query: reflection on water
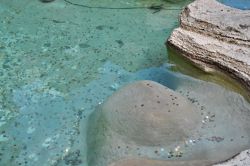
{"points": [[59, 61]]}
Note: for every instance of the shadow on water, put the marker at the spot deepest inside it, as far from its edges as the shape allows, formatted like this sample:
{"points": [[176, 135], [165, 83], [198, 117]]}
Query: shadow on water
{"points": [[183, 65]]}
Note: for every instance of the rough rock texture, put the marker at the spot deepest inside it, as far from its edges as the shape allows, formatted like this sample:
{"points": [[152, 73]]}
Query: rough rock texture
{"points": [[243, 159], [141, 114], [215, 36]]}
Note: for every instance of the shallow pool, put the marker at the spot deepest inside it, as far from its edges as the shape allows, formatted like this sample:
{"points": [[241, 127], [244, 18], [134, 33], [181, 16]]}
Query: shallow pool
{"points": [[59, 61]]}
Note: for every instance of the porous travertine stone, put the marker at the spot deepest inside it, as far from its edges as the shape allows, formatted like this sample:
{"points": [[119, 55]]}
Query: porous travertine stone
{"points": [[215, 36]]}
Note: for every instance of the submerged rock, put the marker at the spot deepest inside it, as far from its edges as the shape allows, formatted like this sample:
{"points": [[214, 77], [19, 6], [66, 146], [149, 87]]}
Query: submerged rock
{"points": [[45, 1], [146, 162], [141, 114], [243, 159], [215, 36]]}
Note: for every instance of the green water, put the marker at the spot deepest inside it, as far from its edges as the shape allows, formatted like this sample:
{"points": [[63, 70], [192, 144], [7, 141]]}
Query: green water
{"points": [[183, 65], [59, 61]]}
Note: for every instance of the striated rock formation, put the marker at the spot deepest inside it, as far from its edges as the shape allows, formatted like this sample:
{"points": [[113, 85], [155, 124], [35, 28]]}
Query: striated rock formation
{"points": [[215, 36]]}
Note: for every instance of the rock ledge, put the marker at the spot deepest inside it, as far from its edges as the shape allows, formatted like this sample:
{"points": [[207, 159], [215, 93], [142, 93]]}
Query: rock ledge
{"points": [[215, 36]]}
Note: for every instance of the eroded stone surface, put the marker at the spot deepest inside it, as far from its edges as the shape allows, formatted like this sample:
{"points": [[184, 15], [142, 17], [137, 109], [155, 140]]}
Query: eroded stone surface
{"points": [[213, 35]]}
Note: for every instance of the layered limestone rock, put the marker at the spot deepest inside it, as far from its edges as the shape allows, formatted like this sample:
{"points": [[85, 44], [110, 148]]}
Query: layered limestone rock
{"points": [[215, 36], [139, 116]]}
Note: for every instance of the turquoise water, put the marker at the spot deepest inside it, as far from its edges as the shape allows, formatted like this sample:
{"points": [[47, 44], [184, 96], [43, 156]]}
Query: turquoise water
{"points": [[240, 4], [60, 61]]}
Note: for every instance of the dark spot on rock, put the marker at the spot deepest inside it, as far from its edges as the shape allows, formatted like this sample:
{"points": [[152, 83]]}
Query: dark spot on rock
{"points": [[245, 26], [156, 152], [232, 29], [46, 1], [58, 21], [66, 47], [158, 102], [73, 158], [84, 45], [215, 139], [46, 44], [120, 42], [100, 27], [149, 85], [142, 105]]}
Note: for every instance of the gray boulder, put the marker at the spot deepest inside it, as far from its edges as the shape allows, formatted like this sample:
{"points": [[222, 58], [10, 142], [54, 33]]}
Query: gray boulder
{"points": [[140, 115]]}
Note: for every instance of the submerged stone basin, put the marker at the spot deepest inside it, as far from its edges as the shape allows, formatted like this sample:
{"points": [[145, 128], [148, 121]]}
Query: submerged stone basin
{"points": [[145, 123]]}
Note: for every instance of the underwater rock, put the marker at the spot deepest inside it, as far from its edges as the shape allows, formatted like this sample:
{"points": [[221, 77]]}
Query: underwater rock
{"points": [[141, 114], [45, 1], [215, 36], [243, 159], [147, 162]]}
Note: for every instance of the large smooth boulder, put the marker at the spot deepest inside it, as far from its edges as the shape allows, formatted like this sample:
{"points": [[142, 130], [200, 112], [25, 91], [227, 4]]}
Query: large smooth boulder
{"points": [[150, 114], [141, 114]]}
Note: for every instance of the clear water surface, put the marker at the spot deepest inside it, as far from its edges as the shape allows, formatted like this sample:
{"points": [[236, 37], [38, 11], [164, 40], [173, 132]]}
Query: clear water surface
{"points": [[59, 61], [240, 4]]}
